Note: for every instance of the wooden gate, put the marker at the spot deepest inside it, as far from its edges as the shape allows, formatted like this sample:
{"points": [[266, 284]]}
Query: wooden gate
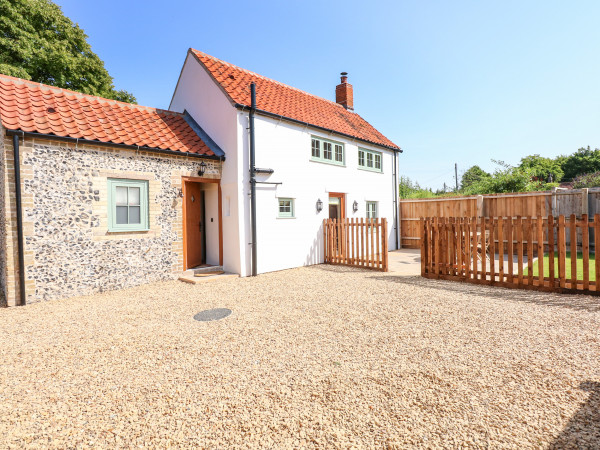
{"points": [[522, 252], [358, 243]]}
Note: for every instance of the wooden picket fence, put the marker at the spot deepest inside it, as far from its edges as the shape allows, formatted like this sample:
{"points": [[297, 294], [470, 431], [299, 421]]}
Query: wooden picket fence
{"points": [[478, 250], [358, 243]]}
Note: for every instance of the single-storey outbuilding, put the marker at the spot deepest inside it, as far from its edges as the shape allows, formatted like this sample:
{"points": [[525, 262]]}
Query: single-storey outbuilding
{"points": [[101, 195]]}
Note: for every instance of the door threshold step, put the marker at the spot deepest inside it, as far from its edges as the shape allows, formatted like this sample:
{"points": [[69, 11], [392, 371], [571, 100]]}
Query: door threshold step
{"points": [[208, 274], [195, 279]]}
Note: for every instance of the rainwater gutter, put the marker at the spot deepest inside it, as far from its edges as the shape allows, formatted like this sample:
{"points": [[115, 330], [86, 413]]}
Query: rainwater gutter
{"points": [[253, 178], [112, 144], [396, 206], [21, 256]]}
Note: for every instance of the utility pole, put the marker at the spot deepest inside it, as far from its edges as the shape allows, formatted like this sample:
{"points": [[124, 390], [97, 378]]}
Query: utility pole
{"points": [[456, 175]]}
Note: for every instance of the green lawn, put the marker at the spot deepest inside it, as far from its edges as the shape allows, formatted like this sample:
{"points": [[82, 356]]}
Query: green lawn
{"points": [[567, 268]]}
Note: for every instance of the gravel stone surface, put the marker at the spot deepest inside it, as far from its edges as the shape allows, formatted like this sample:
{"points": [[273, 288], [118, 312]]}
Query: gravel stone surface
{"points": [[314, 357]]}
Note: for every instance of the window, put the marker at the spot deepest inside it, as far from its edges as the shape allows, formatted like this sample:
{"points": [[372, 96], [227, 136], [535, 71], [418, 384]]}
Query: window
{"points": [[339, 153], [286, 207], [369, 160], [316, 148], [333, 152], [127, 205], [372, 210], [327, 150]]}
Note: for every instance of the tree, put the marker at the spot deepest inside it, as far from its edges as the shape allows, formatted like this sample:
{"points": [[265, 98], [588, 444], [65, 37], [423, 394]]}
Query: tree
{"points": [[584, 160], [587, 180], [38, 43], [508, 179], [543, 168], [408, 189], [472, 175]]}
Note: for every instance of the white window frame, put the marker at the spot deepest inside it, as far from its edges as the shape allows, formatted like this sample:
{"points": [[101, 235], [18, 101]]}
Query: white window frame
{"points": [[370, 156], [327, 151], [291, 214]]}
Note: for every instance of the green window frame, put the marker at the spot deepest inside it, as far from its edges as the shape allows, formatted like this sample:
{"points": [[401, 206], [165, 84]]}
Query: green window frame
{"points": [[372, 212], [327, 151], [286, 207], [370, 160], [127, 205]]}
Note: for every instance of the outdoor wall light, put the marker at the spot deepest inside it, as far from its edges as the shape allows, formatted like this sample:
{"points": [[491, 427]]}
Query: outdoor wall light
{"points": [[202, 169], [319, 206], [355, 206]]}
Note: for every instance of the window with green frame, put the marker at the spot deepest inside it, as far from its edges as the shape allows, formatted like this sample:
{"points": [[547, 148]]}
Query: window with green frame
{"points": [[372, 210], [286, 207], [327, 151], [369, 160], [127, 205]]}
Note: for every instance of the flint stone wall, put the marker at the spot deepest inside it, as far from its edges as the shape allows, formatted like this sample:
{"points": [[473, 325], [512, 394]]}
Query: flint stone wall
{"points": [[68, 248]]}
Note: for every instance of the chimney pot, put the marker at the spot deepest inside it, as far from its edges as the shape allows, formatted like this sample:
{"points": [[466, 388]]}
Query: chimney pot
{"points": [[344, 92]]}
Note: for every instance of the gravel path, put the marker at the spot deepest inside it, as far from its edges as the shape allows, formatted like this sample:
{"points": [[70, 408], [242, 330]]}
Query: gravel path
{"points": [[313, 357]]}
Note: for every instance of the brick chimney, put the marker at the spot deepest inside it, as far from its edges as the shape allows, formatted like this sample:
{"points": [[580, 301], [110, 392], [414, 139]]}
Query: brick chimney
{"points": [[344, 94]]}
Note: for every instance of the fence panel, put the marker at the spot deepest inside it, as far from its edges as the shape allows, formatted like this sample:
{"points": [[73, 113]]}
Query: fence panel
{"points": [[356, 243], [480, 250], [524, 204]]}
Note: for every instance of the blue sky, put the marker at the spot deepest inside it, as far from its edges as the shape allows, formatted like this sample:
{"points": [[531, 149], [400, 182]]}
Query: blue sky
{"points": [[460, 81]]}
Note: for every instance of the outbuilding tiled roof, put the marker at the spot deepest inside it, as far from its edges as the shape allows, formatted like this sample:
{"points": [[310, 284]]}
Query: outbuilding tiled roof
{"points": [[35, 107], [282, 100]]}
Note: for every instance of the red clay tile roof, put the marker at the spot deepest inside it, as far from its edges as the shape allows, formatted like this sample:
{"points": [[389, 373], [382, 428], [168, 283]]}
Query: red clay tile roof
{"points": [[35, 107], [277, 98]]}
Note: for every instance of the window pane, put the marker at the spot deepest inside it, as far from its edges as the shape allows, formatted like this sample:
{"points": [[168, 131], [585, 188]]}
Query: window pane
{"points": [[286, 208], [378, 161], [134, 214], [121, 214], [339, 154], [369, 159], [361, 158], [121, 196], [134, 196], [316, 148], [327, 150]]}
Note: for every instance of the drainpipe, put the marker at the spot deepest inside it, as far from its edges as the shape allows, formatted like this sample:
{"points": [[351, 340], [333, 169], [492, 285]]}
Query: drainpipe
{"points": [[253, 177], [396, 212], [22, 296]]}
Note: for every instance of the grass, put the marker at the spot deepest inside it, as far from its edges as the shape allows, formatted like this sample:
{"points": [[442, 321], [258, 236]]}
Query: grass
{"points": [[567, 266]]}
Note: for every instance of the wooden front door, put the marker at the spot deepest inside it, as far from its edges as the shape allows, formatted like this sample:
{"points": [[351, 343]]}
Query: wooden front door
{"points": [[194, 225], [337, 208]]}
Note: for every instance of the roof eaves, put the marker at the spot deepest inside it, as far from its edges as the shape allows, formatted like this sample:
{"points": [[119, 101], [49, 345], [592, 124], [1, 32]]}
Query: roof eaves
{"points": [[329, 130], [56, 137], [210, 143]]}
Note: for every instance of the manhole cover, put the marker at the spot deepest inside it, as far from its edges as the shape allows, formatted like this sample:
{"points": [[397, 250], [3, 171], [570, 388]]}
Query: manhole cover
{"points": [[212, 314]]}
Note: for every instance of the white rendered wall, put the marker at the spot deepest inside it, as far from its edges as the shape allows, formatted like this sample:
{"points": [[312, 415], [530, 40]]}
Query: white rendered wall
{"points": [[198, 94], [286, 148]]}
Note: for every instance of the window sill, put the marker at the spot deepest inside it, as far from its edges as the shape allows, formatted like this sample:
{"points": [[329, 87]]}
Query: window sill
{"points": [[328, 163], [365, 169], [285, 218], [142, 230]]}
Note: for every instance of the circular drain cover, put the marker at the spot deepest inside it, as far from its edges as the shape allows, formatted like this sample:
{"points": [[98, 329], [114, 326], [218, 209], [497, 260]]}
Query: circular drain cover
{"points": [[212, 314]]}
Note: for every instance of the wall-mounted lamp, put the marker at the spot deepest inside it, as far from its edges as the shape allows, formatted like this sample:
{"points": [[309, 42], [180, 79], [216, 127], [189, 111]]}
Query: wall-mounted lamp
{"points": [[355, 206], [202, 169], [319, 206]]}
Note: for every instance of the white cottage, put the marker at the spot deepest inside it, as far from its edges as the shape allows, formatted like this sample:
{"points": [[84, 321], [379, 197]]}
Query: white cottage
{"points": [[309, 150], [100, 195]]}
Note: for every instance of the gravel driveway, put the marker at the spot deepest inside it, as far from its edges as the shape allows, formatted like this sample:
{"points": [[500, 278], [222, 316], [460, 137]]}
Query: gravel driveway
{"points": [[313, 357]]}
